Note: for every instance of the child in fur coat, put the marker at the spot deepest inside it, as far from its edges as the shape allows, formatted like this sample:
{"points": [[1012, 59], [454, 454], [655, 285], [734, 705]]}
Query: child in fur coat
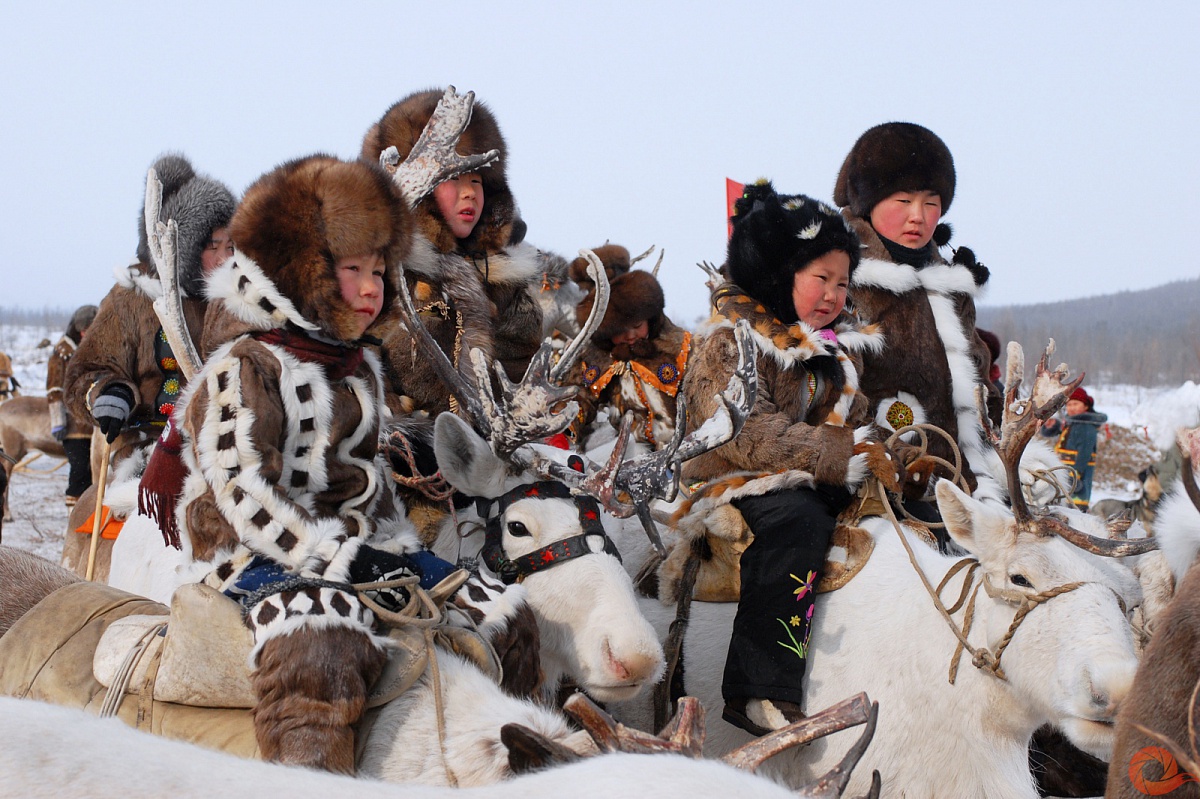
{"points": [[802, 451], [280, 435]]}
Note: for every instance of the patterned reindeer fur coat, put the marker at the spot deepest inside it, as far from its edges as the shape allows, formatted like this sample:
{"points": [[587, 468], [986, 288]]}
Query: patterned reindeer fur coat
{"points": [[280, 427], [802, 426], [934, 358]]}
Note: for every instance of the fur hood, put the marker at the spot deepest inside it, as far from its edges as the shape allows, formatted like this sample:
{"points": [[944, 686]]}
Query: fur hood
{"points": [[635, 296], [499, 225], [199, 205], [294, 223]]}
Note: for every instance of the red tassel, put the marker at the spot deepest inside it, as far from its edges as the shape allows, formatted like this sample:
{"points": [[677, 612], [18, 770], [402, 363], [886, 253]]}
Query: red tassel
{"points": [[162, 484]]}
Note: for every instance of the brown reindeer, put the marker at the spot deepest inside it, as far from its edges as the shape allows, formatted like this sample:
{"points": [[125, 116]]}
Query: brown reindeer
{"points": [[1161, 699], [25, 427]]}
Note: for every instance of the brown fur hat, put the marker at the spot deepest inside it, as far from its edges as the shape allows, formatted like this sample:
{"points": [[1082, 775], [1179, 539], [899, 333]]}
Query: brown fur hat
{"points": [[615, 259], [892, 157], [635, 296], [299, 219], [775, 236], [401, 126], [198, 205], [81, 320]]}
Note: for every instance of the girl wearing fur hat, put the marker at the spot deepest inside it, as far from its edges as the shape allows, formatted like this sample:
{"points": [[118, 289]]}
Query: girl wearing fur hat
{"points": [[801, 453], [124, 375], [473, 279], [894, 186], [636, 359]]}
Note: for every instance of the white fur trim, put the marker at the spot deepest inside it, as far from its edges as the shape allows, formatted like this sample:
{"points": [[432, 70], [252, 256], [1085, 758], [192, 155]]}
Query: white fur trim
{"points": [[903, 397], [867, 339], [241, 286], [856, 471], [963, 378], [887, 275], [515, 264], [1177, 527], [948, 279], [132, 277]]}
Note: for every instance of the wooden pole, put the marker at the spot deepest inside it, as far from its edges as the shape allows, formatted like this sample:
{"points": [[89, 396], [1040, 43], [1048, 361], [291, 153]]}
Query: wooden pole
{"points": [[98, 514]]}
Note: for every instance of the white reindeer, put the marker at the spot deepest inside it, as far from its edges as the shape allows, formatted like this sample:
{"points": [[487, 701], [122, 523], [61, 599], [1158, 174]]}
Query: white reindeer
{"points": [[49, 752], [1068, 661]]}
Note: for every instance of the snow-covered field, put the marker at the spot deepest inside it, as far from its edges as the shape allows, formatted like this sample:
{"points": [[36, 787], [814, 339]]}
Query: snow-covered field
{"points": [[1140, 419]]}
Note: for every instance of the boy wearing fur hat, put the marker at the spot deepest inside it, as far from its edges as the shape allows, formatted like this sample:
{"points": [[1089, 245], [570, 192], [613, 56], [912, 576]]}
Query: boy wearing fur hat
{"points": [[1077, 441], [894, 186], [279, 437], [75, 432], [801, 453], [636, 359], [124, 375]]}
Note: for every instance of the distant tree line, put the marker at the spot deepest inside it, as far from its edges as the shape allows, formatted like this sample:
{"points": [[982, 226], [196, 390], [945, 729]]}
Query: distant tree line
{"points": [[1144, 338]]}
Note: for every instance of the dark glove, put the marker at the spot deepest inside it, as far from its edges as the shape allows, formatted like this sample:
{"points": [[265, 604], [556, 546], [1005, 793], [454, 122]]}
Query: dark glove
{"points": [[59, 433], [111, 410]]}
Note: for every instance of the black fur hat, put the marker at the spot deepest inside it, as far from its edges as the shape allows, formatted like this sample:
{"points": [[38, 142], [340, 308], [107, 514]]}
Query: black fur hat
{"points": [[776, 235], [892, 157]]}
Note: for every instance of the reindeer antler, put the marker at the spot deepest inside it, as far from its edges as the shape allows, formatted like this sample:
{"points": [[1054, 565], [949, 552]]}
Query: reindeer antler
{"points": [[1023, 416], [433, 158], [512, 414], [163, 241]]}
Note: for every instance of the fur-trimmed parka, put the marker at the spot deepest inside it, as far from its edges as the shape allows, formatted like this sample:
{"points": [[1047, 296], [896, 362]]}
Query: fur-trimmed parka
{"points": [[808, 403], [933, 358], [124, 343], [280, 427]]}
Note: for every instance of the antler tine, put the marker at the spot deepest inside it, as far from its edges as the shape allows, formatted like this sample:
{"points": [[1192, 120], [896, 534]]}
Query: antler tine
{"points": [[571, 354], [643, 256], [686, 727], [612, 736], [847, 713], [658, 263], [467, 394], [433, 158], [162, 240], [522, 412], [1108, 547], [833, 782], [715, 278]]}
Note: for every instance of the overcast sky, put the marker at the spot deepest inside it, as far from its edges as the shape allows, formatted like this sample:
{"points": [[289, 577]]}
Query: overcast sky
{"points": [[1073, 124]]}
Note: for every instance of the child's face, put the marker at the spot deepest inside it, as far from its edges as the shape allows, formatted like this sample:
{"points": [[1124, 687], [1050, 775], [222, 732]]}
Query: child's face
{"points": [[819, 289], [361, 280], [907, 217], [1075, 407], [218, 250], [460, 201], [634, 334]]}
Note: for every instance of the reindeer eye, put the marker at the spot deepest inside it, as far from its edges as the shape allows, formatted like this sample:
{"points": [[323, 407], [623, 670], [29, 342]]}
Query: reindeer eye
{"points": [[1021, 580], [518, 530]]}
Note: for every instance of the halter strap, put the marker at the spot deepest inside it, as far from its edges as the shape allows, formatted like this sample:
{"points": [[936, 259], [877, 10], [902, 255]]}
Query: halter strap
{"points": [[517, 569]]}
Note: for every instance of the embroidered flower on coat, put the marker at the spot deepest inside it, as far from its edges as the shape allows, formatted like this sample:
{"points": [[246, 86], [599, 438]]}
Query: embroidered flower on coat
{"points": [[806, 585], [667, 373]]}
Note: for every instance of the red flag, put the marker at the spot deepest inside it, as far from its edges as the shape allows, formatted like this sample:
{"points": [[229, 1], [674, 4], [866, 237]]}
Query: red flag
{"points": [[733, 190]]}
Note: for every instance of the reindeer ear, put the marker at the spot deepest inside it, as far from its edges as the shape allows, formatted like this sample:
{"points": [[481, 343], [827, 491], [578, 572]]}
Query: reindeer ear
{"points": [[465, 459], [958, 514]]}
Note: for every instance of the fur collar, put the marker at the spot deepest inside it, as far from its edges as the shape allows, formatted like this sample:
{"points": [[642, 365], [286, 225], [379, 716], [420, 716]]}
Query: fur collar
{"points": [[250, 296], [140, 278], [900, 278], [795, 343], [515, 264]]}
